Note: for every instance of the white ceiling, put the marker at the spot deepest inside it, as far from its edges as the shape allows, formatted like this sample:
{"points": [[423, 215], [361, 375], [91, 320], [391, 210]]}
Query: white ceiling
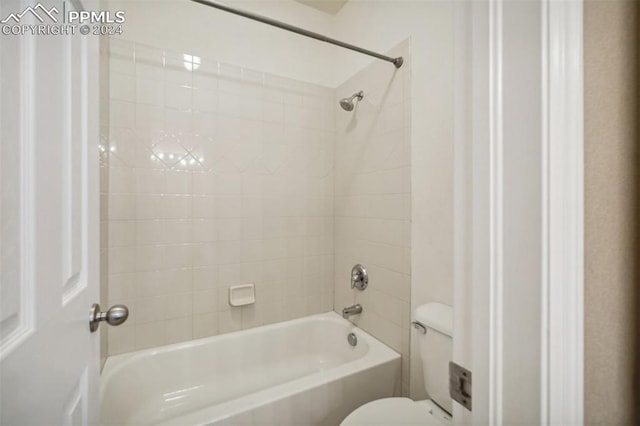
{"points": [[328, 6]]}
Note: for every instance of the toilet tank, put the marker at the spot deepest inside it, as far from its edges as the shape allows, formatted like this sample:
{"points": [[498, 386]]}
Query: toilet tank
{"points": [[436, 350]]}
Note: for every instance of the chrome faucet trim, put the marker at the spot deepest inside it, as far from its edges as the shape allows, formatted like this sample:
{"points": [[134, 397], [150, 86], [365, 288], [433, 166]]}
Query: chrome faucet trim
{"points": [[351, 310], [359, 277]]}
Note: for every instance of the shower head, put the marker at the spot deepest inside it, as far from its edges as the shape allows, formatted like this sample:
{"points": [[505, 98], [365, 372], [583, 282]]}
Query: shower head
{"points": [[347, 103]]}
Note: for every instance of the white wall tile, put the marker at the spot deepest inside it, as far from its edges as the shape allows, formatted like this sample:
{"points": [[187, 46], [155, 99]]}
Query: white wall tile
{"points": [[178, 182], [206, 254], [122, 233], [178, 231], [148, 232], [178, 96], [150, 309], [203, 206], [148, 207], [122, 286], [149, 284], [151, 92], [178, 330], [205, 230], [179, 256], [176, 206], [204, 78], [372, 206], [121, 113], [221, 176], [121, 340], [229, 320], [205, 277], [178, 75], [149, 121], [179, 305], [230, 229], [122, 259], [148, 181], [179, 280], [121, 57], [150, 258], [122, 86], [149, 335], [204, 301], [205, 100], [149, 63], [205, 325]]}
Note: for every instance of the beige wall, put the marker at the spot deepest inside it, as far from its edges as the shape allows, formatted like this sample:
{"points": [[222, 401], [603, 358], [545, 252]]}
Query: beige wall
{"points": [[612, 216]]}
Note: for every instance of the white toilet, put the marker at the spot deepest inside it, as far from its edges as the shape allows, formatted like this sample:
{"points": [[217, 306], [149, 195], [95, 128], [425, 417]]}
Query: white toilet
{"points": [[435, 352]]}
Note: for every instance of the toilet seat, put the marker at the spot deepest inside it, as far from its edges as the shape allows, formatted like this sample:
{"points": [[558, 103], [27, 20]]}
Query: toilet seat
{"points": [[390, 412]]}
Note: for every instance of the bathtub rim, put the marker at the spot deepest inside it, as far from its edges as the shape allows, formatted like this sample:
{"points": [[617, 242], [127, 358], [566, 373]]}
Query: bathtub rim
{"points": [[377, 355]]}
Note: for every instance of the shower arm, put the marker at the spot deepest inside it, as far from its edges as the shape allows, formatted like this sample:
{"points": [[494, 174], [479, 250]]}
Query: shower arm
{"points": [[282, 25], [358, 95]]}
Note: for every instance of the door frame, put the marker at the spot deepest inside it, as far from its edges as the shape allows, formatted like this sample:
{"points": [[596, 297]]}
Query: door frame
{"points": [[482, 312], [563, 205]]}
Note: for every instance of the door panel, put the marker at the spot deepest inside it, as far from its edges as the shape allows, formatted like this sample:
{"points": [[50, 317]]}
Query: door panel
{"points": [[16, 174], [49, 216], [74, 53]]}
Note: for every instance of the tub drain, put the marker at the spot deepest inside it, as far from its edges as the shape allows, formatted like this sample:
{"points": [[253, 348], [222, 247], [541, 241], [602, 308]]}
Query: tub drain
{"points": [[352, 339]]}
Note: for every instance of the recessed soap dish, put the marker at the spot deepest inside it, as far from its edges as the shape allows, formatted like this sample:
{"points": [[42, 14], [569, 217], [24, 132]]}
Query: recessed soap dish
{"points": [[241, 295]]}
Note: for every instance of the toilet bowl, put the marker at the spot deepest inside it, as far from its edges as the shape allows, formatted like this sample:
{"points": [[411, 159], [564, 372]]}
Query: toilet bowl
{"points": [[398, 412], [435, 345]]}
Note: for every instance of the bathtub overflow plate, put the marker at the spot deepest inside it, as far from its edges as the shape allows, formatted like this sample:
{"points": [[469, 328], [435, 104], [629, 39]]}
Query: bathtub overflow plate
{"points": [[352, 339]]}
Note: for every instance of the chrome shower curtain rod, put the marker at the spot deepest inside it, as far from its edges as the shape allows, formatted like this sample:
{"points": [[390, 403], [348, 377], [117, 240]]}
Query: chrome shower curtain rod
{"points": [[395, 61]]}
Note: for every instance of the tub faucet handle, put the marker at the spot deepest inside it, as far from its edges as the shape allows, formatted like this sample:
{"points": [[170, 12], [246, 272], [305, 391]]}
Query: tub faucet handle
{"points": [[359, 277]]}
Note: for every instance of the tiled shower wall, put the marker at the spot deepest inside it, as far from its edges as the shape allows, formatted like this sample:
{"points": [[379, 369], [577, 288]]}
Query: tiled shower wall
{"points": [[373, 202], [218, 176]]}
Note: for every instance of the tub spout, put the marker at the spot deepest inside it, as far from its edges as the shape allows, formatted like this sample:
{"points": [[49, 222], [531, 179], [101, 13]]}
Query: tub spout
{"points": [[351, 310]]}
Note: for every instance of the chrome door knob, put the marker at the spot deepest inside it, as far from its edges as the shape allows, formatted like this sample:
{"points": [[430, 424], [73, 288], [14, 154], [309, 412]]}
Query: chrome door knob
{"points": [[116, 315]]}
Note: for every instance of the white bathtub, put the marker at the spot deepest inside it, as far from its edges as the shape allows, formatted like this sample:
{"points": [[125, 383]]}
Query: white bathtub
{"points": [[300, 372]]}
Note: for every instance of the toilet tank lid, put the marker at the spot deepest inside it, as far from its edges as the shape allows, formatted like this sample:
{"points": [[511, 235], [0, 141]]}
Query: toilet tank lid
{"points": [[437, 316]]}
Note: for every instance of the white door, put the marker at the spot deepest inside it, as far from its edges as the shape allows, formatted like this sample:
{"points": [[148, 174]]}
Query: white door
{"points": [[49, 216]]}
